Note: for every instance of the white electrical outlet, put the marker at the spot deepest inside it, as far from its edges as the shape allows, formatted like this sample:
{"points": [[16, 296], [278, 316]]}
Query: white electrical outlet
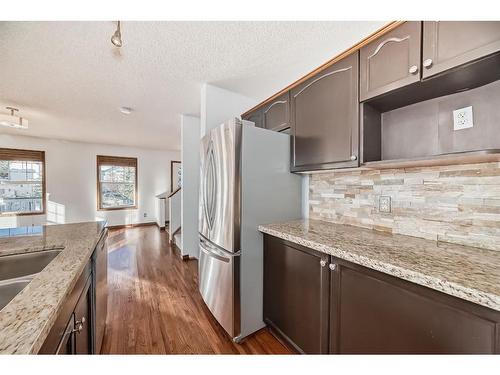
{"points": [[462, 118], [384, 204]]}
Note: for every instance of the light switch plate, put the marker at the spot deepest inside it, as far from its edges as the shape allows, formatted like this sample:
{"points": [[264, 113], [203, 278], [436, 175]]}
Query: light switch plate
{"points": [[384, 204], [462, 118]]}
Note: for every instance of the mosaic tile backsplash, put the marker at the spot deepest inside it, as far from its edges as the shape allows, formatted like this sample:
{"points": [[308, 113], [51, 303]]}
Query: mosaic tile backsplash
{"points": [[459, 203]]}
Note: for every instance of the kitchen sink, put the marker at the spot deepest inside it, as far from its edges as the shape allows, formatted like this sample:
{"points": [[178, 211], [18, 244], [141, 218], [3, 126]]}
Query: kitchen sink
{"points": [[16, 271], [11, 288], [21, 265]]}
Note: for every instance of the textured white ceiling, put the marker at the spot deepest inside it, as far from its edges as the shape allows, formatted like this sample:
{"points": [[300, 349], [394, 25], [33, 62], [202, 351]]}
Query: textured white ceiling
{"points": [[69, 80]]}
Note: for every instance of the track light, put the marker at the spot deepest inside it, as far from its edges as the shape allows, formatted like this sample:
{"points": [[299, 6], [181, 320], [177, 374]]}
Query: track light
{"points": [[116, 39], [13, 120]]}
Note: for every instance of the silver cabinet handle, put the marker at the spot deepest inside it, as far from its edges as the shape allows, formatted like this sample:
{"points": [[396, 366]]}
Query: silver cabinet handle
{"points": [[354, 157], [427, 63], [413, 69], [79, 325], [333, 266], [322, 262]]}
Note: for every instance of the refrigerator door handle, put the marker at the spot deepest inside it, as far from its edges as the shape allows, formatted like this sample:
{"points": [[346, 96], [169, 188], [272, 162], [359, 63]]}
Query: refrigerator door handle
{"points": [[213, 187], [205, 194], [213, 252]]}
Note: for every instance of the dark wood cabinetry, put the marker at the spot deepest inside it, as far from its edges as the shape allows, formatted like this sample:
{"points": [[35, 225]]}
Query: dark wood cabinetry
{"points": [[390, 62], [255, 117], [67, 344], [381, 314], [324, 118], [296, 294], [448, 44], [61, 338], [74, 331], [83, 322], [368, 312], [276, 115], [406, 63]]}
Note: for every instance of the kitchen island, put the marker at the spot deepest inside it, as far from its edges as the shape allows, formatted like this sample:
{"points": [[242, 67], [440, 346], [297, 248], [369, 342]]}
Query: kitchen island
{"points": [[27, 320]]}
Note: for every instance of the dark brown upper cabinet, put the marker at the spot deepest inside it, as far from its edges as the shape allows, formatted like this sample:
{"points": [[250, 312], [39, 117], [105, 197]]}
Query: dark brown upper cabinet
{"points": [[391, 61], [276, 115], [255, 117], [447, 44], [296, 287], [324, 118]]}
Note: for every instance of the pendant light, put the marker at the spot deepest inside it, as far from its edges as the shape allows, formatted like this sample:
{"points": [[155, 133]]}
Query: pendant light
{"points": [[13, 120], [116, 39]]}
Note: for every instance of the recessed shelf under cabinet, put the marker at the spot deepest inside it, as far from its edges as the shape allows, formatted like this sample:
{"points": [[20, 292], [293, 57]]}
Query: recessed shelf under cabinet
{"points": [[423, 133], [456, 158], [469, 157]]}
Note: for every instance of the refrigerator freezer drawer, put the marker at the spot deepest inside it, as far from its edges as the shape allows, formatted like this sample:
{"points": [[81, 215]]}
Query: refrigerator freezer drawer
{"points": [[219, 286]]}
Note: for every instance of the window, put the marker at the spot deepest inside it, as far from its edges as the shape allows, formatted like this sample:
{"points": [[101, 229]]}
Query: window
{"points": [[116, 182], [22, 182]]}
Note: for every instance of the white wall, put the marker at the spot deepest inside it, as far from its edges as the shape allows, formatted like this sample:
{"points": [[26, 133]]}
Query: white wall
{"points": [[190, 156], [71, 181], [219, 105]]}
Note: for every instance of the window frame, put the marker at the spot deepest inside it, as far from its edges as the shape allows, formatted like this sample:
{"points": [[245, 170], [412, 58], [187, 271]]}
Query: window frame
{"points": [[15, 154], [122, 162]]}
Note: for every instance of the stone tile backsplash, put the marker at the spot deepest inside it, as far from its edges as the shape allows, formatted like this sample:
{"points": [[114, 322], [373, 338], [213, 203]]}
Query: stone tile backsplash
{"points": [[459, 203]]}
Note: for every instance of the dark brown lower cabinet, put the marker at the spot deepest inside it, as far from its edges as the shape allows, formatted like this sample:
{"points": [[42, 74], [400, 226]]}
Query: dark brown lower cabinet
{"points": [[369, 312], [61, 338], [83, 323], [296, 283], [67, 344]]}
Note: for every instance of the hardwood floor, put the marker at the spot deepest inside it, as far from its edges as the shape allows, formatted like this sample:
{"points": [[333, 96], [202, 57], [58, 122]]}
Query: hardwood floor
{"points": [[154, 306]]}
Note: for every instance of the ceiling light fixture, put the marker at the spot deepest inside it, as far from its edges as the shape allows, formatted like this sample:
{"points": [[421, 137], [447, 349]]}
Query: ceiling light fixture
{"points": [[12, 120], [126, 110], [116, 39]]}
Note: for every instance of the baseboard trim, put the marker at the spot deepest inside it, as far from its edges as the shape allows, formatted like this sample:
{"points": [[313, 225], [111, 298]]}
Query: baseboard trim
{"points": [[282, 337], [121, 226]]}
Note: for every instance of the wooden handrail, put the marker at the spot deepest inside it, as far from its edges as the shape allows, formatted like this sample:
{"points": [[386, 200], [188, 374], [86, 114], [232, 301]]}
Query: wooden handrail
{"points": [[174, 192]]}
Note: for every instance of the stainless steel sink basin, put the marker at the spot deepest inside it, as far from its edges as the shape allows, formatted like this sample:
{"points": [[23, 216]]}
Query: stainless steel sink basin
{"points": [[20, 265], [16, 271], [11, 288]]}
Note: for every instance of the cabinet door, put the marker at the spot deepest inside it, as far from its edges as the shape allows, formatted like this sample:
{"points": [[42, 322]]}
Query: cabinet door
{"points": [[374, 313], [276, 115], [448, 44], [324, 116], [391, 61], [67, 344], [254, 116], [83, 324], [296, 287]]}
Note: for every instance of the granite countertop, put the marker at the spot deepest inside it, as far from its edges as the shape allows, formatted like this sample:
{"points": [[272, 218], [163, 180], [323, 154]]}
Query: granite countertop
{"points": [[469, 273], [26, 321]]}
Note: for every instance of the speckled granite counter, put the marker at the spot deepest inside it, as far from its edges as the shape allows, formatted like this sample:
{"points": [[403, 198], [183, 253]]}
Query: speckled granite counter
{"points": [[469, 273], [26, 321]]}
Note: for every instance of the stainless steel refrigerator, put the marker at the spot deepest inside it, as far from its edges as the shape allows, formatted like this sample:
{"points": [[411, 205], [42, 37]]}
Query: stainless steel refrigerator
{"points": [[245, 181]]}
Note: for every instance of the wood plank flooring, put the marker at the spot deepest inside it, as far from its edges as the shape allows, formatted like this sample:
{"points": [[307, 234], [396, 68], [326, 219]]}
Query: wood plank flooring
{"points": [[154, 306]]}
